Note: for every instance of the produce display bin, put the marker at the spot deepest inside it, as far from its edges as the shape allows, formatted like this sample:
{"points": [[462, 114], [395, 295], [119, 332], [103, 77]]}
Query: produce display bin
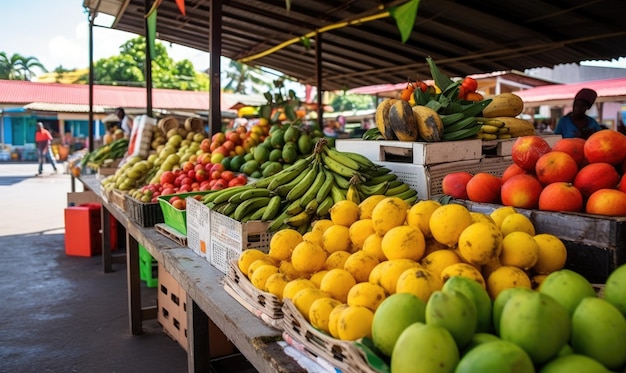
{"points": [[148, 268], [146, 214], [595, 244], [174, 217], [419, 153], [504, 147]]}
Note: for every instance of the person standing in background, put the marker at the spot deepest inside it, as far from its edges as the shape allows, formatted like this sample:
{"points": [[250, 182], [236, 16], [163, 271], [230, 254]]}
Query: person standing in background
{"points": [[578, 123], [43, 139], [126, 122]]}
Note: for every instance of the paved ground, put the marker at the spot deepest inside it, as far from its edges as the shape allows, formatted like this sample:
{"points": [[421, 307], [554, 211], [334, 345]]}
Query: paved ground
{"points": [[62, 313]]}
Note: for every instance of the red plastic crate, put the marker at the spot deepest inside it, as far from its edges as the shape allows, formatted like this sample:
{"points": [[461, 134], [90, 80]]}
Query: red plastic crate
{"points": [[82, 230]]}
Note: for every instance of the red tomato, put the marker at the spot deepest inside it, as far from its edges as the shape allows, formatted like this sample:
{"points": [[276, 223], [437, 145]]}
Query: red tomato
{"points": [[470, 84], [167, 177], [228, 175], [215, 175]]}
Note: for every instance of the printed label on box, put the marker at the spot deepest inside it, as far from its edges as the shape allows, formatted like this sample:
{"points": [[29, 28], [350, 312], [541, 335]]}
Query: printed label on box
{"points": [[198, 227]]}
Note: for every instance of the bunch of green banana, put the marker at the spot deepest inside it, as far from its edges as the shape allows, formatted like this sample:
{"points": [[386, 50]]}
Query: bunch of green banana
{"points": [[492, 129], [305, 191], [114, 150]]}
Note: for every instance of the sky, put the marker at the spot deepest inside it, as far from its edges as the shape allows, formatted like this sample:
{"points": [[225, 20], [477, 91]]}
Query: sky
{"points": [[56, 32]]}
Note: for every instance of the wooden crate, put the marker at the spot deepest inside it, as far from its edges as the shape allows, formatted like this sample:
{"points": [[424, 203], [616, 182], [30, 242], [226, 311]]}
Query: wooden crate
{"points": [[595, 244]]}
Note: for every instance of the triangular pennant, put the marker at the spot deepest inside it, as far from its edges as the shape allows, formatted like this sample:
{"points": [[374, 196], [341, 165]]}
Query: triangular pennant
{"points": [[181, 6]]}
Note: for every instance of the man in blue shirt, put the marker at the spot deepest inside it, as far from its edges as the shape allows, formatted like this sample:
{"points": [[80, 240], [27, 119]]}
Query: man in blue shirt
{"points": [[578, 123]]}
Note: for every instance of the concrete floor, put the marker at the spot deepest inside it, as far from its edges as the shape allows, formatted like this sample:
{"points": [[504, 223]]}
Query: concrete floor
{"points": [[62, 313]]}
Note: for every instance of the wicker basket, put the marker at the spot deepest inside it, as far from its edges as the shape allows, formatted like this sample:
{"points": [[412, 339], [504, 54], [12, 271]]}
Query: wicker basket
{"points": [[168, 123], [344, 355], [264, 305], [194, 124]]}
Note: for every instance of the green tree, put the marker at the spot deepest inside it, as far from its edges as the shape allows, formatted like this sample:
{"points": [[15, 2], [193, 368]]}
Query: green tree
{"points": [[241, 77], [18, 67], [127, 69], [345, 101]]}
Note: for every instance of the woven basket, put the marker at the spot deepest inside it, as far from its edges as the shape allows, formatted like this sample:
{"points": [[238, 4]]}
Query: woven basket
{"points": [[194, 124], [168, 123]]}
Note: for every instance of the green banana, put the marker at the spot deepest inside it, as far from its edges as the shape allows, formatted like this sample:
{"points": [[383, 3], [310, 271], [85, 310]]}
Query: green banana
{"points": [[311, 207], [407, 194], [341, 158], [395, 183], [277, 223], [255, 192], [283, 189], [382, 178], [324, 206], [337, 193], [273, 208], [338, 168], [249, 205], [352, 194], [448, 119], [258, 214], [378, 171], [362, 160], [463, 123], [392, 192], [298, 220], [370, 190], [294, 208], [411, 200], [341, 181], [461, 134], [237, 197], [324, 190], [311, 193], [224, 194], [288, 174], [298, 190], [230, 208]]}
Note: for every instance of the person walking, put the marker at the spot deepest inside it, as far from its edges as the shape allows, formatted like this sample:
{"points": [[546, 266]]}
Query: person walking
{"points": [[578, 123], [125, 121], [42, 141]]}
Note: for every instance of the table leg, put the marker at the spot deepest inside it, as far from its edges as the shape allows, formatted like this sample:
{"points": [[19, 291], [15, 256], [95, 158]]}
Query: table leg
{"points": [[106, 241], [197, 338], [134, 285]]}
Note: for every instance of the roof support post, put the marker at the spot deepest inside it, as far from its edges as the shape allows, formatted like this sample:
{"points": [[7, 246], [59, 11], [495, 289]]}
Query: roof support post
{"points": [[148, 61], [92, 17], [215, 47], [318, 80]]}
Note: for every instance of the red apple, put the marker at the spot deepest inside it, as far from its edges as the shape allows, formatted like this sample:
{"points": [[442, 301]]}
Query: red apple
{"points": [[608, 202], [555, 166], [201, 175], [510, 171], [595, 176], [484, 187], [561, 196], [521, 191], [527, 150], [574, 147], [606, 146], [453, 184]]}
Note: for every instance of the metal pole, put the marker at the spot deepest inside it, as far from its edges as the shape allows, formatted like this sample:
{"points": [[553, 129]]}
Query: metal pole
{"points": [[215, 46], [148, 62], [318, 80], [92, 17]]}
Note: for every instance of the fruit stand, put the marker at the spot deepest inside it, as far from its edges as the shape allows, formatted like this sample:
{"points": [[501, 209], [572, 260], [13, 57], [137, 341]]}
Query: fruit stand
{"points": [[277, 236]]}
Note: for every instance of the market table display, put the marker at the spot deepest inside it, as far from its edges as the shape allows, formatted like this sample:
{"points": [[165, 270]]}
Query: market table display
{"points": [[208, 300]]}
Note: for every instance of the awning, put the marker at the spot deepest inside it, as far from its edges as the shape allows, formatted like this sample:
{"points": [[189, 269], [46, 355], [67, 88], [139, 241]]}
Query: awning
{"points": [[609, 90]]}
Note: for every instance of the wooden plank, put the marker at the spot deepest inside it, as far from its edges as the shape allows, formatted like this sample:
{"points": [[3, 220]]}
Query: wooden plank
{"points": [[255, 340]]}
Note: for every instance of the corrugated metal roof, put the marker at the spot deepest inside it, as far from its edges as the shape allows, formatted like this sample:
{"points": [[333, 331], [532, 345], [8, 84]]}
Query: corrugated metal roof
{"points": [[463, 36], [609, 90], [66, 97]]}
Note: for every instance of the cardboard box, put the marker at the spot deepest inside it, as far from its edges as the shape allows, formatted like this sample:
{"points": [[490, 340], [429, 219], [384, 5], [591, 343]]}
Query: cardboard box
{"points": [[220, 238], [505, 147], [81, 198], [421, 153]]}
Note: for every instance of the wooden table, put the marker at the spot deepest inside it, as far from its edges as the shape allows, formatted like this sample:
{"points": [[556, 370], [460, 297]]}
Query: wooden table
{"points": [[208, 299]]}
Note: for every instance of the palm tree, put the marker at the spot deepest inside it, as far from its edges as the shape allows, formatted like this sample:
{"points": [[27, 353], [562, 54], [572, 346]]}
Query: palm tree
{"points": [[18, 67], [240, 75]]}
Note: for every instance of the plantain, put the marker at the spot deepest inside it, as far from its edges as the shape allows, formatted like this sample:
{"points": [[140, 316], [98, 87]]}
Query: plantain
{"points": [[382, 119], [224, 194], [341, 158], [338, 168], [403, 121], [352, 194], [379, 179], [371, 190], [298, 190], [324, 190], [288, 173], [311, 207], [257, 215], [255, 192], [429, 125], [283, 189], [406, 194], [337, 193], [272, 209], [294, 208], [397, 190], [298, 220], [504, 105], [364, 162], [324, 207], [277, 223], [311, 193]]}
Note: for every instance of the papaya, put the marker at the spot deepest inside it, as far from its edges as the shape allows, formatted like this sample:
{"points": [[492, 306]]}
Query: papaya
{"points": [[504, 105], [382, 118], [429, 124], [402, 121]]}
